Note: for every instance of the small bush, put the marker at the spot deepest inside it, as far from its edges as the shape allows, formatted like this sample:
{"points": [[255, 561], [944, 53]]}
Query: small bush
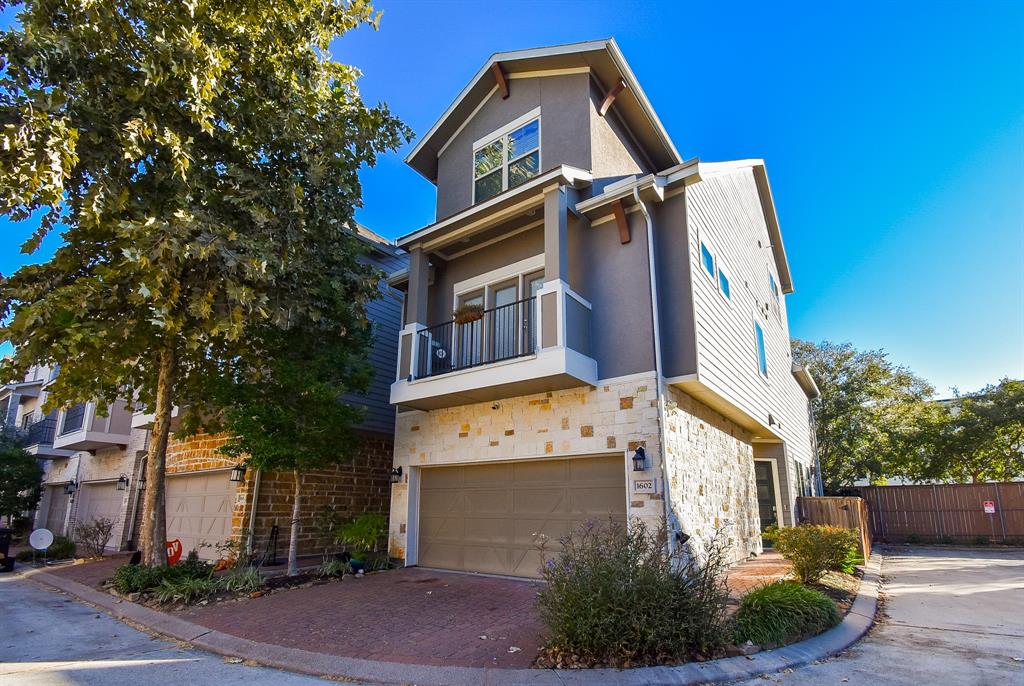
{"points": [[191, 568], [241, 580], [781, 612], [614, 596], [62, 548], [363, 534], [185, 590], [95, 536], [981, 540], [813, 549], [25, 555], [138, 578]]}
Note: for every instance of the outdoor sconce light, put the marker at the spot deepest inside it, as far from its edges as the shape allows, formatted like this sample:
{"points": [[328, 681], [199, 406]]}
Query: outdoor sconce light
{"points": [[396, 475], [70, 488], [639, 460], [122, 482], [237, 473]]}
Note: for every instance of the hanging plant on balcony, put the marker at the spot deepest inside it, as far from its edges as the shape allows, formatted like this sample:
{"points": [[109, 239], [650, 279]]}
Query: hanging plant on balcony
{"points": [[465, 314]]}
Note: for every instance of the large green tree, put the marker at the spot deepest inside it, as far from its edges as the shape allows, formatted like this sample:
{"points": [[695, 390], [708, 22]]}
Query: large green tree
{"points": [[21, 477], [200, 159], [984, 440], [872, 418]]}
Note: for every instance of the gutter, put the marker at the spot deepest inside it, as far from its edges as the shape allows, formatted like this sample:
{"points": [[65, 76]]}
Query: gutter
{"points": [[252, 511], [660, 377]]}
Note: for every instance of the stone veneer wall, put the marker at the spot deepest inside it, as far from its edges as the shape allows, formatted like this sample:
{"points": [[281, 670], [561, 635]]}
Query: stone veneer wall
{"points": [[710, 459], [711, 476], [352, 489], [590, 420]]}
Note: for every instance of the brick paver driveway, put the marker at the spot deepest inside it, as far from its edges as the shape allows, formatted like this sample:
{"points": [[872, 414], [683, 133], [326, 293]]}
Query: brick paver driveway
{"points": [[405, 615]]}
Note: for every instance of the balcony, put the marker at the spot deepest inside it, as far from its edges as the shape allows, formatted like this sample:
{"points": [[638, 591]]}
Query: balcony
{"points": [[82, 428], [529, 346], [38, 432], [145, 420]]}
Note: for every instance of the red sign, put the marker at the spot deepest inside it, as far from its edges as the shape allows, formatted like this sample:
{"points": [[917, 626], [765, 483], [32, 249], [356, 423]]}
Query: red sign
{"points": [[990, 507], [173, 551]]}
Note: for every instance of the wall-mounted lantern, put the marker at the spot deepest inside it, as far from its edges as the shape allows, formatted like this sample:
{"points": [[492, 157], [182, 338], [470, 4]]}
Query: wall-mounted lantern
{"points": [[237, 473], [70, 488], [122, 482], [640, 460], [396, 474]]}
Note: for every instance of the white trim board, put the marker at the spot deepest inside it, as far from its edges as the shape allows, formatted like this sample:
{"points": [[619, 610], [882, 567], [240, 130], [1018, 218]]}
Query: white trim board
{"points": [[501, 274]]}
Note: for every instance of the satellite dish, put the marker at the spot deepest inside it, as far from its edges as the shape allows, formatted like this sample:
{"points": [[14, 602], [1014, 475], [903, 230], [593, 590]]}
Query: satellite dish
{"points": [[41, 539]]}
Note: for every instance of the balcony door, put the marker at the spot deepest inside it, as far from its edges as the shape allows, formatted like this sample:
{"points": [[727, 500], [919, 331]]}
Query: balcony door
{"points": [[469, 337], [504, 321]]}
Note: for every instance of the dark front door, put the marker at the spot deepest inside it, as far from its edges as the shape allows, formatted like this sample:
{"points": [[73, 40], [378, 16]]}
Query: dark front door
{"points": [[765, 494]]}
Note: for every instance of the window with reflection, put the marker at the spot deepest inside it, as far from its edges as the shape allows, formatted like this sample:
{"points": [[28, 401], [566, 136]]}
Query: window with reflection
{"points": [[506, 162]]}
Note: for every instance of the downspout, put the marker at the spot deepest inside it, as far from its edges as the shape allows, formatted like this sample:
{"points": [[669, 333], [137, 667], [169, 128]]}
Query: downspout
{"points": [[252, 511], [659, 381]]}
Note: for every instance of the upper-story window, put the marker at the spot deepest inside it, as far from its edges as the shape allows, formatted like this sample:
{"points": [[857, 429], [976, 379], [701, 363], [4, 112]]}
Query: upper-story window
{"points": [[773, 286], [707, 259], [723, 283], [762, 357], [506, 160]]}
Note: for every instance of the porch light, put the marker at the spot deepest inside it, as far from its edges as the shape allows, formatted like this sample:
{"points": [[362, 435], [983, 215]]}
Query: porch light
{"points": [[122, 482], [396, 475], [238, 473], [70, 488], [639, 460]]}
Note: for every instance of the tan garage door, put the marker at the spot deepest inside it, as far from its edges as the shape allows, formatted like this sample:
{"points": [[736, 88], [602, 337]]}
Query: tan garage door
{"points": [[483, 518], [101, 500], [57, 509], [199, 510]]}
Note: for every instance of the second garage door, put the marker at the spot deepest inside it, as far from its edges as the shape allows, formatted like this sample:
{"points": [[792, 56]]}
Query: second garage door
{"points": [[101, 501], [483, 518], [199, 510]]}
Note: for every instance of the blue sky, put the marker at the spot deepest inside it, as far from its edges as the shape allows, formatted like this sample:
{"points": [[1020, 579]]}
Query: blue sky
{"points": [[893, 135]]}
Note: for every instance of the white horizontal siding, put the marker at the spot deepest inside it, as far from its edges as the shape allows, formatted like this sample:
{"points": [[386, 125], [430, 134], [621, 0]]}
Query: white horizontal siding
{"points": [[724, 211]]}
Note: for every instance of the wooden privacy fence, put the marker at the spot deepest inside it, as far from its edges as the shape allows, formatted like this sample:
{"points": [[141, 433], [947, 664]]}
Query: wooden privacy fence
{"points": [[850, 513], [947, 513]]}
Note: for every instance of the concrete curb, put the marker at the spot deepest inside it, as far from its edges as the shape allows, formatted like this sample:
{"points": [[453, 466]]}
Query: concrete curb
{"points": [[853, 627]]}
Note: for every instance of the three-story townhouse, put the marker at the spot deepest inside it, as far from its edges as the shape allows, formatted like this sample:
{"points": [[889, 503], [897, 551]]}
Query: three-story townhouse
{"points": [[593, 327]]}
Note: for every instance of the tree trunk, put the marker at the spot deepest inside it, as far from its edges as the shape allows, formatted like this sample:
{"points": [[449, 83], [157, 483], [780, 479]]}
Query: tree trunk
{"points": [[153, 535], [293, 539]]}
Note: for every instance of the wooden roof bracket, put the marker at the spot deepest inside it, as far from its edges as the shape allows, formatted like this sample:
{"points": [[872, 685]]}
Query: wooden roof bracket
{"points": [[610, 96], [620, 219], [501, 79]]}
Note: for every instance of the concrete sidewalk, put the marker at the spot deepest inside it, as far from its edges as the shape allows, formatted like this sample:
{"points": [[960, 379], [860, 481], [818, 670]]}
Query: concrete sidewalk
{"points": [[950, 616], [853, 627]]}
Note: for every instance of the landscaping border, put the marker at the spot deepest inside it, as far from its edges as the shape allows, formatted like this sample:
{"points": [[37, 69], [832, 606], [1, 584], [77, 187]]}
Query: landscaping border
{"points": [[856, 623]]}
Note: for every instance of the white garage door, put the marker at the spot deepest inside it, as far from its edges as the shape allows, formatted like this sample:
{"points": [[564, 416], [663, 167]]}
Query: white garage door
{"points": [[199, 510], [101, 501], [483, 518]]}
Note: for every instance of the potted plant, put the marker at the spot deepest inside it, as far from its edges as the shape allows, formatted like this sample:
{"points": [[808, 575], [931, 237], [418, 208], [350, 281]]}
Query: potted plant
{"points": [[361, 538], [466, 313]]}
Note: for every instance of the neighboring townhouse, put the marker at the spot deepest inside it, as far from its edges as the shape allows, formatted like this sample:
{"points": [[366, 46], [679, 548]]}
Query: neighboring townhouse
{"points": [[593, 327], [89, 458], [205, 504], [95, 465]]}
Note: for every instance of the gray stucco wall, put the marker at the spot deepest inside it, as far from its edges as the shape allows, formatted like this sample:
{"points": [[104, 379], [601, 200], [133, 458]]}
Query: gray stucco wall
{"points": [[678, 343], [565, 138]]}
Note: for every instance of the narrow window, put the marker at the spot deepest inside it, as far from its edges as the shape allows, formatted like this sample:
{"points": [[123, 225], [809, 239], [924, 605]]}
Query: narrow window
{"points": [[773, 286], [762, 358], [723, 283], [511, 159], [708, 259]]}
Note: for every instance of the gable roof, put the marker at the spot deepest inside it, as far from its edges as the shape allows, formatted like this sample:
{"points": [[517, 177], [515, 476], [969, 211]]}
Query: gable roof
{"points": [[606, 65]]}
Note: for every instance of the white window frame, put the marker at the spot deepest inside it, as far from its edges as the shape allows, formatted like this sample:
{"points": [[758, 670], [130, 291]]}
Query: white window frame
{"points": [[759, 346], [713, 274], [718, 281], [502, 134]]}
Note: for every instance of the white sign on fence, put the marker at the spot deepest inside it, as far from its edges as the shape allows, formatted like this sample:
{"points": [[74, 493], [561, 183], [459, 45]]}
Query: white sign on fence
{"points": [[990, 507]]}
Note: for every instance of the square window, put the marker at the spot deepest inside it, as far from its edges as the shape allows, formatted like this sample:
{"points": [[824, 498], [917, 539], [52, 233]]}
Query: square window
{"points": [[708, 259], [723, 283]]}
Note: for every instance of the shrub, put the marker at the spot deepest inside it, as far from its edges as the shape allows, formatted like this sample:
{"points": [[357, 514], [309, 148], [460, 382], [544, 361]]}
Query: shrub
{"points": [[95, 536], [185, 590], [363, 534], [25, 555], [191, 568], [334, 567], [62, 548], [813, 549], [241, 580], [615, 596], [138, 578], [781, 612]]}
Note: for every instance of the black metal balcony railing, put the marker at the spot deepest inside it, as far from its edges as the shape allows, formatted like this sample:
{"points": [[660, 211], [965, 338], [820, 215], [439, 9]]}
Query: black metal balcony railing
{"points": [[74, 418], [42, 431], [502, 333]]}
